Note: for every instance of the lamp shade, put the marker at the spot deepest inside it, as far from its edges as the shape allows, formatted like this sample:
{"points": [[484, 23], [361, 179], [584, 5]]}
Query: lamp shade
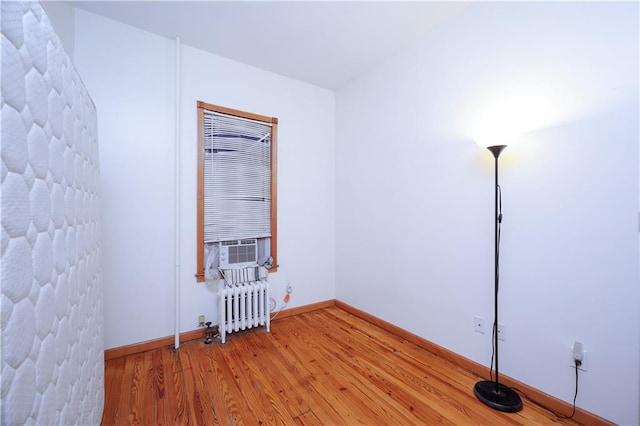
{"points": [[496, 137]]}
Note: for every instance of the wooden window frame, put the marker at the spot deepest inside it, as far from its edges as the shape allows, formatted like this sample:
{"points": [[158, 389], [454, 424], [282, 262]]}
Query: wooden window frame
{"points": [[202, 107]]}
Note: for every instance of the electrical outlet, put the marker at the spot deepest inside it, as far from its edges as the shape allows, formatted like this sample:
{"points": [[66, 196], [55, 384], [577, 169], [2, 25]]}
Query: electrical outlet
{"points": [[576, 350], [289, 289], [478, 324], [501, 332], [201, 320]]}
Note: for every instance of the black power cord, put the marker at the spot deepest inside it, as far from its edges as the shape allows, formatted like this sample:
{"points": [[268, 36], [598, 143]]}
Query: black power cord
{"points": [[578, 363], [497, 269], [555, 413], [575, 395]]}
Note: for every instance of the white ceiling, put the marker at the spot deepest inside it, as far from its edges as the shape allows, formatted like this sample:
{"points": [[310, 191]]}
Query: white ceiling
{"points": [[325, 43]]}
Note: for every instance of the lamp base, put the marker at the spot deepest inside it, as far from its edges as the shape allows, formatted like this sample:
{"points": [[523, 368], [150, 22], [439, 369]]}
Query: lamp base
{"points": [[497, 396]]}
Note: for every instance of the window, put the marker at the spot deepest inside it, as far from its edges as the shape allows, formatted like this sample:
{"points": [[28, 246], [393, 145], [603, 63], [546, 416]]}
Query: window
{"points": [[237, 202]]}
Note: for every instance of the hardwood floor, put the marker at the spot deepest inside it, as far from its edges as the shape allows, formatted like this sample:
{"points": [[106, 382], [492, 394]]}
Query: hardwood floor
{"points": [[325, 367]]}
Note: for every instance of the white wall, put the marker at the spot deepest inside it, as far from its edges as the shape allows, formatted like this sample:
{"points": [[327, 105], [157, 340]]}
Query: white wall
{"points": [[130, 74], [414, 194]]}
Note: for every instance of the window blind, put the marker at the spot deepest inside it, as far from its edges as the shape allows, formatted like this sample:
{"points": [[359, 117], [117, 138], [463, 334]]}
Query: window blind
{"points": [[237, 178]]}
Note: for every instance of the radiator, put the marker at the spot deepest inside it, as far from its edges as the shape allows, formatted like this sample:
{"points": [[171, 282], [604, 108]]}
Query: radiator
{"points": [[244, 301]]}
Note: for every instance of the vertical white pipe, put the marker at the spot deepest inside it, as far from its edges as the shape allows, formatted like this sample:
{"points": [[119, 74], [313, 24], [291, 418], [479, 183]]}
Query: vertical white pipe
{"points": [[176, 278]]}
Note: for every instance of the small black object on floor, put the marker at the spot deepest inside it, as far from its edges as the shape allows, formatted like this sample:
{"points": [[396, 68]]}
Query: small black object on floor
{"points": [[210, 333]]}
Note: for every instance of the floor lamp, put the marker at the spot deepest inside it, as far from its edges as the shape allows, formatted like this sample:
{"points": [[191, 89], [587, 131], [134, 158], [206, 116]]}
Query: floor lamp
{"points": [[491, 392]]}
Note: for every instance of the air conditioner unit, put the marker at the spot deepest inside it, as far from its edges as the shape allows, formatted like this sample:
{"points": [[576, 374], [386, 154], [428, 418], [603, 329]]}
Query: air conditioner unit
{"points": [[238, 253]]}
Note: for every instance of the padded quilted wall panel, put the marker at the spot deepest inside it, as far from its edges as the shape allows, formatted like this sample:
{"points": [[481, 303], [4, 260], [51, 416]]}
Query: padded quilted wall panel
{"points": [[52, 338]]}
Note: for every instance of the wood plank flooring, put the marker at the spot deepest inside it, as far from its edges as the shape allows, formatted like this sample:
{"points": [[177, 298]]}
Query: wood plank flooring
{"points": [[325, 367]]}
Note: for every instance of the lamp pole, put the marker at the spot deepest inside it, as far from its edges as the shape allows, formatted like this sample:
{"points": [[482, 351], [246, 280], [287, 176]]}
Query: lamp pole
{"points": [[496, 150], [492, 393]]}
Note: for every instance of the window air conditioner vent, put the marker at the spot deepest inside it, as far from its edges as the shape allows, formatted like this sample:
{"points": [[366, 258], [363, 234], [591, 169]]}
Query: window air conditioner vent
{"points": [[238, 253]]}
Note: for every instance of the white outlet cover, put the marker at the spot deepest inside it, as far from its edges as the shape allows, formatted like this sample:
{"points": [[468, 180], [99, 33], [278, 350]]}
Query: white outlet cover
{"points": [[583, 366], [501, 332], [478, 324]]}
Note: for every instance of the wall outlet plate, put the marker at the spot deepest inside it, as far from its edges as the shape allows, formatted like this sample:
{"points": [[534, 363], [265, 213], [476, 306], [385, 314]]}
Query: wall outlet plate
{"points": [[478, 324], [583, 366], [501, 332]]}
